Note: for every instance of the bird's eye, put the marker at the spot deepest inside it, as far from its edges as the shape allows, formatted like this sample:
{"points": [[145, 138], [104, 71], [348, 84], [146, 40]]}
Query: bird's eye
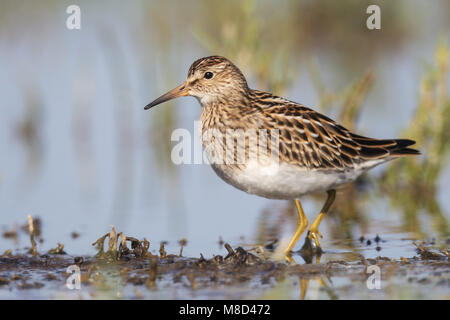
{"points": [[208, 75]]}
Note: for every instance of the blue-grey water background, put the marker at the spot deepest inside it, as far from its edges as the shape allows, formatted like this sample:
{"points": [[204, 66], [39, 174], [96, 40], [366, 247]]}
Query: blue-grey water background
{"points": [[92, 158]]}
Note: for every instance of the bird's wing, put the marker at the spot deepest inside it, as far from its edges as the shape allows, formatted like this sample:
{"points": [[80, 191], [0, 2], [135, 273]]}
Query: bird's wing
{"points": [[315, 141]]}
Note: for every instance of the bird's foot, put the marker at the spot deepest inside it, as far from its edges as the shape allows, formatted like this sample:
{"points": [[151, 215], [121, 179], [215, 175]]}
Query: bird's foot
{"points": [[314, 234], [312, 245], [288, 256]]}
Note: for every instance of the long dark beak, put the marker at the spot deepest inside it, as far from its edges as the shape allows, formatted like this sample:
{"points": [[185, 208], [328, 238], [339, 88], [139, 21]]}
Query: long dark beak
{"points": [[179, 91]]}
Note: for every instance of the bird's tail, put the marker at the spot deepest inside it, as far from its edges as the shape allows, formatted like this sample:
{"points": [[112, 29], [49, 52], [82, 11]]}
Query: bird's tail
{"points": [[386, 148], [401, 148]]}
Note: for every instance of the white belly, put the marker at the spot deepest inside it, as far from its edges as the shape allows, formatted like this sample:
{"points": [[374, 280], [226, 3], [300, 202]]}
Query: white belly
{"points": [[283, 181]]}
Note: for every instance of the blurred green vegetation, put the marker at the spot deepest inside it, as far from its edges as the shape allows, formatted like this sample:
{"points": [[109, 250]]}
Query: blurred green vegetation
{"points": [[412, 183], [270, 38], [340, 27], [241, 35]]}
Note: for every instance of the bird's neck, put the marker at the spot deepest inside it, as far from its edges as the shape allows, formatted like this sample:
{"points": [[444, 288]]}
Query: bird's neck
{"points": [[226, 112]]}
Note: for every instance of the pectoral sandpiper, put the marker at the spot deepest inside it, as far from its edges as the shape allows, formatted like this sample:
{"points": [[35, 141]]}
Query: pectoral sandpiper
{"points": [[314, 153]]}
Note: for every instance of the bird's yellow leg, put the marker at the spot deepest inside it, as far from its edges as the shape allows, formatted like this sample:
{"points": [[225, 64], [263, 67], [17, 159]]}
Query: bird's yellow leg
{"points": [[301, 227], [313, 232]]}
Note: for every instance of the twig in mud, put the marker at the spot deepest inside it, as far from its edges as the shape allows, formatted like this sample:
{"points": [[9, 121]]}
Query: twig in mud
{"points": [[146, 244], [123, 239], [239, 256], [112, 243], [162, 252], [134, 242], [229, 249], [138, 248], [123, 249], [58, 250], [182, 243], [33, 249], [426, 254], [100, 244]]}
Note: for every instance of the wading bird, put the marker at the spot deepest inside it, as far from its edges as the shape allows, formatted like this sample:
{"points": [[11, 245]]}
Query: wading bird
{"points": [[314, 153]]}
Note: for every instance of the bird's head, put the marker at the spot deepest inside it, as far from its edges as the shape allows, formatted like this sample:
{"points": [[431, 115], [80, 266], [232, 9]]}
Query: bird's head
{"points": [[209, 79]]}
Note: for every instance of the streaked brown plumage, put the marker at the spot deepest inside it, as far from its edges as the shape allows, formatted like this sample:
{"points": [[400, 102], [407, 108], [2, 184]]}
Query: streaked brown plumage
{"points": [[314, 141], [312, 149]]}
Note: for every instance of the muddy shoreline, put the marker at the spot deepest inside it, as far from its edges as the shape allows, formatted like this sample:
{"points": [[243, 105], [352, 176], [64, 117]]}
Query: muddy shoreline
{"points": [[124, 267]]}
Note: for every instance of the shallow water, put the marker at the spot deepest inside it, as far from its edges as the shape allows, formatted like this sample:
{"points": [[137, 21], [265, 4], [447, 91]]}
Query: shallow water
{"points": [[339, 273], [79, 152]]}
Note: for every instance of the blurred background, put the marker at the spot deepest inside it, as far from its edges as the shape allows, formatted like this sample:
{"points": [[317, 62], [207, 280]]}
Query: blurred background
{"points": [[78, 151]]}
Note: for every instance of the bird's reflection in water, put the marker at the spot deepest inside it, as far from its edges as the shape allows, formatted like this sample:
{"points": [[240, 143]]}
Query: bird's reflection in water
{"points": [[312, 255]]}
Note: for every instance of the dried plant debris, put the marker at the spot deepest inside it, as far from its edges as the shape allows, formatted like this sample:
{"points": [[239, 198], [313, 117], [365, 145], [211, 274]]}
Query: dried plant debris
{"points": [[33, 229], [58, 250], [239, 256], [162, 251], [125, 261], [114, 252], [428, 253], [182, 243]]}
